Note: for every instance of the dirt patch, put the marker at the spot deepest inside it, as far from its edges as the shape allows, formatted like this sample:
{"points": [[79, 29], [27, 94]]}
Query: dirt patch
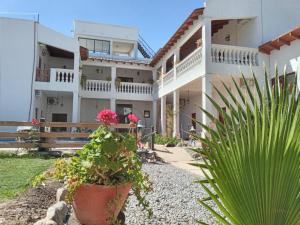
{"points": [[30, 206]]}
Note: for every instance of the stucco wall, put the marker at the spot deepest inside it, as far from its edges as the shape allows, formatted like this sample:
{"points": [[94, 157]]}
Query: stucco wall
{"points": [[279, 17], [92, 29], [65, 103], [90, 107], [288, 55], [186, 112], [241, 34], [16, 68]]}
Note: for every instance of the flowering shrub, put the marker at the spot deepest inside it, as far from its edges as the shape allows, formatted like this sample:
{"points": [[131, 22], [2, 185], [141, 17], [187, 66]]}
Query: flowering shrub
{"points": [[35, 122], [107, 116], [110, 158], [133, 118]]}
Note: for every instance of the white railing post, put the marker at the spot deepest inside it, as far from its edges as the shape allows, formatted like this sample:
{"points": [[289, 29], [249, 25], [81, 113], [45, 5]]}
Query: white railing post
{"points": [[234, 55]]}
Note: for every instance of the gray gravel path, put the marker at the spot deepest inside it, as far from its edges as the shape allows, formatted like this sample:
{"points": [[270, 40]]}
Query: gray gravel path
{"points": [[173, 199]]}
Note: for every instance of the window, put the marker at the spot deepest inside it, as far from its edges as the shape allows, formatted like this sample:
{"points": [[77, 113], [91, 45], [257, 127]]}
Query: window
{"points": [[95, 46]]}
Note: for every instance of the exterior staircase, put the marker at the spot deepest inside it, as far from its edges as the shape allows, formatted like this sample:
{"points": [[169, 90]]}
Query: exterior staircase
{"points": [[145, 49]]}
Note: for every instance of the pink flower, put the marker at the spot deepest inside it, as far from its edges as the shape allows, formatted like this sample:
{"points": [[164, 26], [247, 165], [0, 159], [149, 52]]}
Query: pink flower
{"points": [[34, 122], [107, 116], [133, 118]]}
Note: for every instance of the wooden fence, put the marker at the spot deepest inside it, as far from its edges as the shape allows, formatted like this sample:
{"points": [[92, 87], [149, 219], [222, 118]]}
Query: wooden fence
{"points": [[45, 138]]}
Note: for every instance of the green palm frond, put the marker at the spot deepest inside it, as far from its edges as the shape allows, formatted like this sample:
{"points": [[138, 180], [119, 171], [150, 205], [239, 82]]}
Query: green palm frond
{"points": [[252, 163]]}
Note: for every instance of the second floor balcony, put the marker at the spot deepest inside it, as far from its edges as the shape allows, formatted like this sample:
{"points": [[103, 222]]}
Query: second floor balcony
{"points": [[118, 90], [224, 59], [55, 79]]}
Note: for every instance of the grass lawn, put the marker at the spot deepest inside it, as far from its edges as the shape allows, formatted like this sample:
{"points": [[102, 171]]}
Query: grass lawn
{"points": [[16, 173]]}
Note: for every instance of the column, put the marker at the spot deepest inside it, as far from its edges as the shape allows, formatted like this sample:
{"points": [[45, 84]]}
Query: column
{"points": [[113, 104], [206, 43], [76, 108], [176, 129], [154, 113], [111, 47], [206, 104], [163, 118], [113, 79]]}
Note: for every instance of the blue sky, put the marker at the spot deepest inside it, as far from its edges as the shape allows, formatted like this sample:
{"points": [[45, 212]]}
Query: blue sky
{"points": [[156, 19]]}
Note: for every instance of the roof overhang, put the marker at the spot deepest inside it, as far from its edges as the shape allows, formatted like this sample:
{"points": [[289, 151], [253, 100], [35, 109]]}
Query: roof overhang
{"points": [[176, 36], [280, 41]]}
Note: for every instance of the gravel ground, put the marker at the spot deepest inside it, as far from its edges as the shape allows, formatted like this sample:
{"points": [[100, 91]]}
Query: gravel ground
{"points": [[173, 200]]}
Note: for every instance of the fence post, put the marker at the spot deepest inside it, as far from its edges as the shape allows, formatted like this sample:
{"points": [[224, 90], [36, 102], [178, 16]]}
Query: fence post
{"points": [[42, 139], [152, 137]]}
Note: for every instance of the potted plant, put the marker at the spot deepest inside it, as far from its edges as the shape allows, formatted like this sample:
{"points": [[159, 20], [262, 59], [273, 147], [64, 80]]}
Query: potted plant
{"points": [[100, 177]]}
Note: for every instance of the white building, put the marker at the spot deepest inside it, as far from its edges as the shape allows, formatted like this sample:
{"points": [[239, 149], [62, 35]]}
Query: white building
{"points": [[70, 79]]}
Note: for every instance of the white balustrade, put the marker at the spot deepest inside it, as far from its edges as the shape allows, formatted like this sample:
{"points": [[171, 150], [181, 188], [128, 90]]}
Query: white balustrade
{"points": [[97, 86], [228, 54], [168, 77], [61, 75], [134, 88], [190, 61]]}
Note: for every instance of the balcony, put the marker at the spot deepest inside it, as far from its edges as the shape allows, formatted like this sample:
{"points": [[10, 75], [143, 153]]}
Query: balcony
{"points": [[227, 54], [55, 79], [230, 60], [123, 90], [184, 72]]}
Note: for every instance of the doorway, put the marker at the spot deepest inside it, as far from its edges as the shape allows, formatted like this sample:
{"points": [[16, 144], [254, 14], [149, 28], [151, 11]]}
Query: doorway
{"points": [[59, 117], [123, 110]]}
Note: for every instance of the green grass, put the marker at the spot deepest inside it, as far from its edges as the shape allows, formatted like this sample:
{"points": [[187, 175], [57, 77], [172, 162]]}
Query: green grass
{"points": [[16, 173]]}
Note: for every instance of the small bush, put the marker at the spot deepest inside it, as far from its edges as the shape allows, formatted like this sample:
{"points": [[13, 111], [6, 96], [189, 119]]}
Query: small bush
{"points": [[163, 140]]}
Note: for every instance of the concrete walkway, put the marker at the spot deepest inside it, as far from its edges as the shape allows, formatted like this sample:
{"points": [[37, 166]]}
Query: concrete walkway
{"points": [[178, 157]]}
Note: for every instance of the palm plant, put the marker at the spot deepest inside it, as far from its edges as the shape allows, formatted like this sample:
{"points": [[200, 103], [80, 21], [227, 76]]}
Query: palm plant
{"points": [[252, 159]]}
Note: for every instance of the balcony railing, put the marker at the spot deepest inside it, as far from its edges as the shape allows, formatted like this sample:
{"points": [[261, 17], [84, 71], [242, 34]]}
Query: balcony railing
{"points": [[190, 61], [228, 54], [168, 77], [97, 86], [134, 88], [62, 75]]}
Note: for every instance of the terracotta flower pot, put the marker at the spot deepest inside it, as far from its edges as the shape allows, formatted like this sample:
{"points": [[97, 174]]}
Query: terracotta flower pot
{"points": [[91, 202]]}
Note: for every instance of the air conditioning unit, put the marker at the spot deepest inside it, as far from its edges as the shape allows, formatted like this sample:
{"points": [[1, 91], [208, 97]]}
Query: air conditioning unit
{"points": [[52, 101], [37, 93]]}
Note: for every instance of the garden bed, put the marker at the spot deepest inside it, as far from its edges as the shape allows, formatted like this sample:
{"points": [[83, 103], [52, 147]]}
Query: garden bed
{"points": [[31, 206]]}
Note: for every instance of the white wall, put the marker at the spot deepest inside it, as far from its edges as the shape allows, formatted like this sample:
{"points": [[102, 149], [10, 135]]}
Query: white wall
{"points": [[242, 33], [16, 68], [92, 29], [91, 72], [48, 61], [65, 103], [90, 107], [288, 56], [279, 17], [143, 77], [186, 112]]}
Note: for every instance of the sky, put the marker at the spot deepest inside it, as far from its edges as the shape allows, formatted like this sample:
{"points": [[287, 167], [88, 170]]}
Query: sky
{"points": [[157, 20]]}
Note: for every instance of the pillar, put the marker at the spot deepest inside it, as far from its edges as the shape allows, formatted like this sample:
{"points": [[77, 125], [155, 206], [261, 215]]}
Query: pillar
{"points": [[206, 104], [176, 129], [113, 104], [154, 113], [163, 115], [113, 79], [206, 43], [76, 108]]}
